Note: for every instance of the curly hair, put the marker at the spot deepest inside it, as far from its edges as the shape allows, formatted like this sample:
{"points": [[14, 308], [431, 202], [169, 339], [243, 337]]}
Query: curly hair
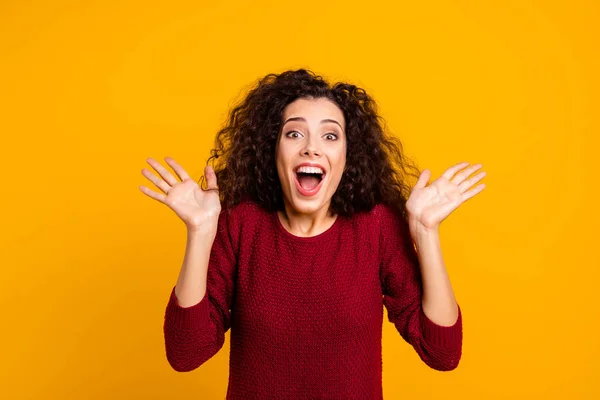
{"points": [[376, 171]]}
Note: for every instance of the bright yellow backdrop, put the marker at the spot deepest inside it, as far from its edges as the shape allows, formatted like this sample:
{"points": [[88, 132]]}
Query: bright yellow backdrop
{"points": [[89, 90]]}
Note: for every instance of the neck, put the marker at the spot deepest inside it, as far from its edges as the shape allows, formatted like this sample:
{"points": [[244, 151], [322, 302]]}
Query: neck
{"points": [[306, 224]]}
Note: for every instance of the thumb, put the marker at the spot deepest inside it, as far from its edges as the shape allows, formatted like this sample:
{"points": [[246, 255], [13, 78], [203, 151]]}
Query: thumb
{"points": [[211, 178], [423, 179]]}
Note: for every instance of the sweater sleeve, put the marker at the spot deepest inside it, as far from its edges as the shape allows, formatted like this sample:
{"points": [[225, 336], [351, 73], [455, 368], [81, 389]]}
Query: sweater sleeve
{"points": [[196, 333], [440, 347]]}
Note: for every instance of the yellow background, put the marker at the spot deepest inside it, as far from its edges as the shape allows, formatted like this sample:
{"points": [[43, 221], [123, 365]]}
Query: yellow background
{"points": [[89, 90]]}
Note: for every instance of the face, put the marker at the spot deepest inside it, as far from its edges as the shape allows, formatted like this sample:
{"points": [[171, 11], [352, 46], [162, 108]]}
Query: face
{"points": [[313, 132]]}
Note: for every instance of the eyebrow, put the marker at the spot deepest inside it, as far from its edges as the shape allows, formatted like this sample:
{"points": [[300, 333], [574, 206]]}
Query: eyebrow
{"points": [[304, 120]]}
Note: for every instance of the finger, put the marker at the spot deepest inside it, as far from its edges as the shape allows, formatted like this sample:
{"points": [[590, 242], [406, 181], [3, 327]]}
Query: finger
{"points": [[423, 179], [452, 170], [166, 175], [177, 168], [467, 195], [157, 196], [211, 178], [471, 181], [461, 176], [162, 185]]}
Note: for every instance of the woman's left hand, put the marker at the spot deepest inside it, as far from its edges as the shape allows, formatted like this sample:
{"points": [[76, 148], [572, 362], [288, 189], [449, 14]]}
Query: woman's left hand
{"points": [[428, 206]]}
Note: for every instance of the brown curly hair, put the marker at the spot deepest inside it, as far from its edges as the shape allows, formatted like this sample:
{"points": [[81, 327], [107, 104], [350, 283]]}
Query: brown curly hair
{"points": [[376, 169]]}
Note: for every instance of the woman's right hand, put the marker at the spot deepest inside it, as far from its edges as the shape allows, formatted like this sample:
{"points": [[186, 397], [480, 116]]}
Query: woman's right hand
{"points": [[199, 209]]}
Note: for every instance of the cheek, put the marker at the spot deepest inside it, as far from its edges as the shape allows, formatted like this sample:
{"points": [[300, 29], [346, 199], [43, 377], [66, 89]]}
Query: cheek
{"points": [[340, 162], [337, 172], [282, 155], [282, 172]]}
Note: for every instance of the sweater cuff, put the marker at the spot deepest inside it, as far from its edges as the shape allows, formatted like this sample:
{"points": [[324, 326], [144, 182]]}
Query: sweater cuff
{"points": [[188, 318], [449, 337]]}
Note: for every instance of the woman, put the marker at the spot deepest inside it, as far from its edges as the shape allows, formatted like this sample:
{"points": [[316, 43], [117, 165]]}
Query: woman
{"points": [[319, 231]]}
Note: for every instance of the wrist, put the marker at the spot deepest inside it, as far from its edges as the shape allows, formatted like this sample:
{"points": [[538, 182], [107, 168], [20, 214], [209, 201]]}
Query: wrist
{"points": [[203, 231], [424, 238]]}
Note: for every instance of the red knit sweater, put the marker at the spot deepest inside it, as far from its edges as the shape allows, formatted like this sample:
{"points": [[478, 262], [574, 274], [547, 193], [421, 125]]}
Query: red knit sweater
{"points": [[306, 313]]}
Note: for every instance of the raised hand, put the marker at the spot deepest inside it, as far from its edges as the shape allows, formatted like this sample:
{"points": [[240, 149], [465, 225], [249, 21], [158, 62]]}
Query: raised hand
{"points": [[428, 206], [199, 209]]}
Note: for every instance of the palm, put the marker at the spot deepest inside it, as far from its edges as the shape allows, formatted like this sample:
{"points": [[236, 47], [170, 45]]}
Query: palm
{"points": [[192, 204], [428, 206], [197, 208]]}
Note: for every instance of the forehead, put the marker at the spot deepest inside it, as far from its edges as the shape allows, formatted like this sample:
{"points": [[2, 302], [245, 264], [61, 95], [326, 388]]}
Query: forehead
{"points": [[314, 109]]}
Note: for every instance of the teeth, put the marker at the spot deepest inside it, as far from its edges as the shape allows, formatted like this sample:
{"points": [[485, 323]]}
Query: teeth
{"points": [[310, 170]]}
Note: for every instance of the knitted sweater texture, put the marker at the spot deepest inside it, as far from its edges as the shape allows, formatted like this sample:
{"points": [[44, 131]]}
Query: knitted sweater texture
{"points": [[306, 313]]}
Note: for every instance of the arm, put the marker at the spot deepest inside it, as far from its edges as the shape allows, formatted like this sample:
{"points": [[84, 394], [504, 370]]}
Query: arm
{"points": [[198, 312], [404, 279], [439, 303]]}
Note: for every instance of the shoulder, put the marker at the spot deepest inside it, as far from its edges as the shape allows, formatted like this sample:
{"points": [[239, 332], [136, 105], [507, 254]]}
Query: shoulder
{"points": [[244, 209], [243, 214], [380, 215], [377, 222], [236, 222], [382, 211], [386, 221]]}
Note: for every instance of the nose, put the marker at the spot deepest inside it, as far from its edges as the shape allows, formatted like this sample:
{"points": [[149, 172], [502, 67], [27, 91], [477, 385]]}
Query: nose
{"points": [[310, 149]]}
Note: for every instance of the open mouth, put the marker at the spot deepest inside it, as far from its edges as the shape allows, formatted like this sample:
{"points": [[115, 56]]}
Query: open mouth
{"points": [[309, 183]]}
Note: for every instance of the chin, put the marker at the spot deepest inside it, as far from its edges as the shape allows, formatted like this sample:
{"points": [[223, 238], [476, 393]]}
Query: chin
{"points": [[306, 206]]}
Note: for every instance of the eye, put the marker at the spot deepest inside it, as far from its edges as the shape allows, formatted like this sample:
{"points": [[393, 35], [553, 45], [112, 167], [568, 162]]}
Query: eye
{"points": [[288, 134]]}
